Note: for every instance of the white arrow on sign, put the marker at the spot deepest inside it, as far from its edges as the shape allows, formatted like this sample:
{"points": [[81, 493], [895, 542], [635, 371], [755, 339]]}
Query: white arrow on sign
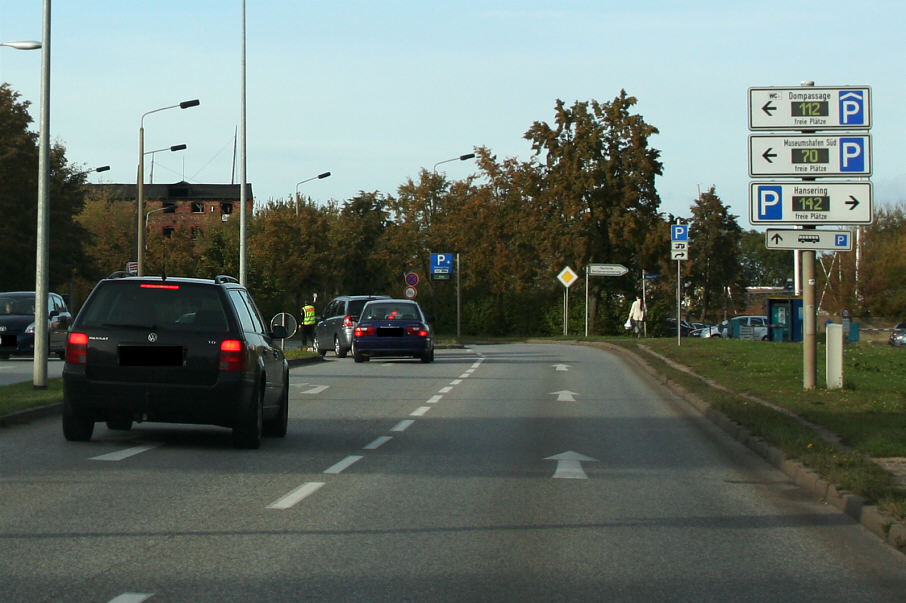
{"points": [[569, 465], [565, 395], [606, 269], [561, 367]]}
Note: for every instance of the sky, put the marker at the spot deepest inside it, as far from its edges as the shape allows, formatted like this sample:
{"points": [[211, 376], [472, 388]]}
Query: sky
{"points": [[375, 92]]}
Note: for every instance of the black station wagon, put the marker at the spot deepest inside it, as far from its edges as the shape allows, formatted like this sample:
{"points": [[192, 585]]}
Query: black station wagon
{"points": [[174, 350]]}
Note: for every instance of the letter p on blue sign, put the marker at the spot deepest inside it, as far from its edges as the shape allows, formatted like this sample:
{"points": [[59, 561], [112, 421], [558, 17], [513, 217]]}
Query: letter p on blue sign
{"points": [[770, 202], [852, 108]]}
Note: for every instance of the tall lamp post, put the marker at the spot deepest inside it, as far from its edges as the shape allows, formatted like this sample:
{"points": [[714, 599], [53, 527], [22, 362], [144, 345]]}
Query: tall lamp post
{"points": [[318, 177], [42, 256], [458, 265], [140, 193]]}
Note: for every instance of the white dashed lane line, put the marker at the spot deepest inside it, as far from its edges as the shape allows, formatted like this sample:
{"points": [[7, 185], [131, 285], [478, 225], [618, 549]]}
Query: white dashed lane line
{"points": [[297, 495], [378, 443], [403, 425], [344, 464], [119, 455]]}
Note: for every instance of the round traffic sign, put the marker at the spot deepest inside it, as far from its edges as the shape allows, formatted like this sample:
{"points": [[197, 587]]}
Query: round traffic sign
{"points": [[411, 292], [411, 279]]}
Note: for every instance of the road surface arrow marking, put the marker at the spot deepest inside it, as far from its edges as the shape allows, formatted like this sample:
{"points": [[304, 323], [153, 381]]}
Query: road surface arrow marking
{"points": [[565, 395], [561, 367], [569, 465]]}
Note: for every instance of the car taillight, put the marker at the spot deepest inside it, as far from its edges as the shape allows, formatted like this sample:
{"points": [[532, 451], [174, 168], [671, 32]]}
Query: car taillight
{"points": [[77, 348], [363, 331], [417, 331], [348, 321], [232, 356]]}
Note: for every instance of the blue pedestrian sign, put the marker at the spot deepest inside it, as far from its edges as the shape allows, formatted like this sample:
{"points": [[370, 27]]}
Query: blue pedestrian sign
{"points": [[441, 266]]}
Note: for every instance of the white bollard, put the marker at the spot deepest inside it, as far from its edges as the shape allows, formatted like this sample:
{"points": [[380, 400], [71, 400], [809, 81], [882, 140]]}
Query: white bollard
{"points": [[834, 360]]}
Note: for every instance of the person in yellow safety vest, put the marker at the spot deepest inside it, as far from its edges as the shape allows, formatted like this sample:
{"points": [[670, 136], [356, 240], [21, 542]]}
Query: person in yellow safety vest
{"points": [[308, 326]]}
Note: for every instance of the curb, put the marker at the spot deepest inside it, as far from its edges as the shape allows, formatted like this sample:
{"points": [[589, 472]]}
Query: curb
{"points": [[881, 524]]}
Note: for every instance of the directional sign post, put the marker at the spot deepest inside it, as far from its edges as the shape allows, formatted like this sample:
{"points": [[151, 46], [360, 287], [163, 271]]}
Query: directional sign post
{"points": [[822, 240], [679, 251], [810, 155], [810, 203], [567, 278], [810, 108], [600, 270]]}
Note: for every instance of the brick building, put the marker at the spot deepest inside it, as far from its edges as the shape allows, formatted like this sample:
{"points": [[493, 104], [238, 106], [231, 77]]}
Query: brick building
{"points": [[168, 206]]}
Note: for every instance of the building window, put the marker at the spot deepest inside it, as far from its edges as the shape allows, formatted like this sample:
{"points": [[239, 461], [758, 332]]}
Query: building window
{"points": [[226, 208], [168, 231], [169, 208], [197, 207]]}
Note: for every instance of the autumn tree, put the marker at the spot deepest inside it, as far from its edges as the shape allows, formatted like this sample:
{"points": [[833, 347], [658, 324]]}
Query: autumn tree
{"points": [[713, 269]]}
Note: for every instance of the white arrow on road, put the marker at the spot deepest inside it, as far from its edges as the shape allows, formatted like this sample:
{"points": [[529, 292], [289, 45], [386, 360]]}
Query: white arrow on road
{"points": [[569, 465], [565, 395], [561, 367], [314, 389]]}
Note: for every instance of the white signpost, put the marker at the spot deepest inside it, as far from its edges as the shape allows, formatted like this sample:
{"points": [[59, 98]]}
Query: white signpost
{"points": [[822, 240], [810, 203], [600, 270], [810, 155], [810, 108]]}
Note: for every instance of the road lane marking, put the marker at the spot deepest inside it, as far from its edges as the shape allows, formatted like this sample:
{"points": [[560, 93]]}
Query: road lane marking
{"points": [[297, 495], [420, 411], [434, 399], [124, 454], [131, 598], [465, 375], [403, 425], [457, 381], [445, 390], [314, 389], [344, 464], [565, 395], [569, 465], [378, 443]]}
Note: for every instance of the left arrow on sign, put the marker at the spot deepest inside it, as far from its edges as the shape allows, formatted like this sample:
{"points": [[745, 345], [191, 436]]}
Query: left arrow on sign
{"points": [[768, 155], [768, 108], [569, 465]]}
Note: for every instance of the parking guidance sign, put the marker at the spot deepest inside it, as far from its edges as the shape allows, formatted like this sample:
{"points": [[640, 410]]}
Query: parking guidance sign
{"points": [[810, 155], [810, 108], [810, 203]]}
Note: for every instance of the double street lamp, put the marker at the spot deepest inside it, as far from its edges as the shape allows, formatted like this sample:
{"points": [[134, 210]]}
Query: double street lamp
{"points": [[140, 193], [318, 177], [173, 149]]}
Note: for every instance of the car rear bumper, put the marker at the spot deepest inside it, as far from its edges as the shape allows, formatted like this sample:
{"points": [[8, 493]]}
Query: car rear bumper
{"points": [[393, 346], [217, 404]]}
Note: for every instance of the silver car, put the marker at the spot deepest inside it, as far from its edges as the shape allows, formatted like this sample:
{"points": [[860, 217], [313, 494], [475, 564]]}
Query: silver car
{"points": [[334, 328]]}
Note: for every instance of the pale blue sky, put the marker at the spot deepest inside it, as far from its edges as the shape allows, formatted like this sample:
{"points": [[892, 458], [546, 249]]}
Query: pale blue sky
{"points": [[375, 91]]}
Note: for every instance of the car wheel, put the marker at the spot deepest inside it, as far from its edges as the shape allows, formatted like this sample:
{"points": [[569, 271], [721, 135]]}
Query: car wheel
{"points": [[119, 424], [247, 431], [357, 356], [276, 428], [318, 347], [76, 428], [428, 356], [339, 350]]}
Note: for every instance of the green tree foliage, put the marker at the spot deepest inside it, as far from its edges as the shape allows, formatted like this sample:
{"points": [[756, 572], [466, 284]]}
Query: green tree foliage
{"points": [[18, 202], [598, 188], [880, 289], [713, 273]]}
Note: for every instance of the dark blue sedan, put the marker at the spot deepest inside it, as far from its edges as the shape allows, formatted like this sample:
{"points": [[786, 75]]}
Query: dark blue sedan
{"points": [[392, 327], [17, 323]]}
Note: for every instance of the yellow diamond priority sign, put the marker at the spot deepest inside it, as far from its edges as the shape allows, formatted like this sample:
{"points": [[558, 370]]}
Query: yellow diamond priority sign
{"points": [[567, 277]]}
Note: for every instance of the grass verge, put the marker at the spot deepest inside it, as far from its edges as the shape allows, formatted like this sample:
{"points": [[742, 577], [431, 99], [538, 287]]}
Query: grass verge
{"points": [[21, 396]]}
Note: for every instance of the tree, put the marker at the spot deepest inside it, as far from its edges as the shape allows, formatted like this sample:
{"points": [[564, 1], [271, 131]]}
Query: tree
{"points": [[713, 270], [599, 188], [18, 202]]}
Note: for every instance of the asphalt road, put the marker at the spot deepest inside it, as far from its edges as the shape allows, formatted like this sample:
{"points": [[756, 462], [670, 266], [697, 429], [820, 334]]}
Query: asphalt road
{"points": [[497, 473], [21, 368]]}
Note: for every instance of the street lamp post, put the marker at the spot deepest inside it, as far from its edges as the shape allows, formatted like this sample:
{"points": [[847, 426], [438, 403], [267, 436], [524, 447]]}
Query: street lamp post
{"points": [[318, 177], [174, 148], [140, 193], [460, 158]]}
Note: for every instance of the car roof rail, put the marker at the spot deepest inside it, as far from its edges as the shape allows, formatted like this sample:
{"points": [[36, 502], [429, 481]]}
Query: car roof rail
{"points": [[225, 278], [119, 274]]}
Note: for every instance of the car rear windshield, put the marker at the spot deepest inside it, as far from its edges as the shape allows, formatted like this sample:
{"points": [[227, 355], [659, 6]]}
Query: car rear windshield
{"points": [[392, 311], [17, 304], [185, 306]]}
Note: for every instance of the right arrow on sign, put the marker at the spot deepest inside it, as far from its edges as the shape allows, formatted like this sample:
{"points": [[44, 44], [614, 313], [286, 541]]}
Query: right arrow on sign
{"points": [[853, 203]]}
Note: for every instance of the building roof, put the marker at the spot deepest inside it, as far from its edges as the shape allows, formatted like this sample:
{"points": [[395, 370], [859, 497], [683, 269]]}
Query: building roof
{"points": [[180, 190]]}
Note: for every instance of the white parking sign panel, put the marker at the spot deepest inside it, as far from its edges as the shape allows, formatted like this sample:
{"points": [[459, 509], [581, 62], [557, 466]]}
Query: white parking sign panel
{"points": [[810, 108], [810, 203]]}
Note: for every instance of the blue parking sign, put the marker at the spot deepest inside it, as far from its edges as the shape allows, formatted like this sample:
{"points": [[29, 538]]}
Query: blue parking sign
{"points": [[679, 232], [441, 266]]}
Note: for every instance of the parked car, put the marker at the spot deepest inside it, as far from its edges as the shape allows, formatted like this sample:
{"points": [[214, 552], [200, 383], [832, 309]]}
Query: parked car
{"points": [[670, 326], [750, 327], [898, 335], [17, 324], [334, 328], [393, 327], [708, 331], [176, 350]]}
